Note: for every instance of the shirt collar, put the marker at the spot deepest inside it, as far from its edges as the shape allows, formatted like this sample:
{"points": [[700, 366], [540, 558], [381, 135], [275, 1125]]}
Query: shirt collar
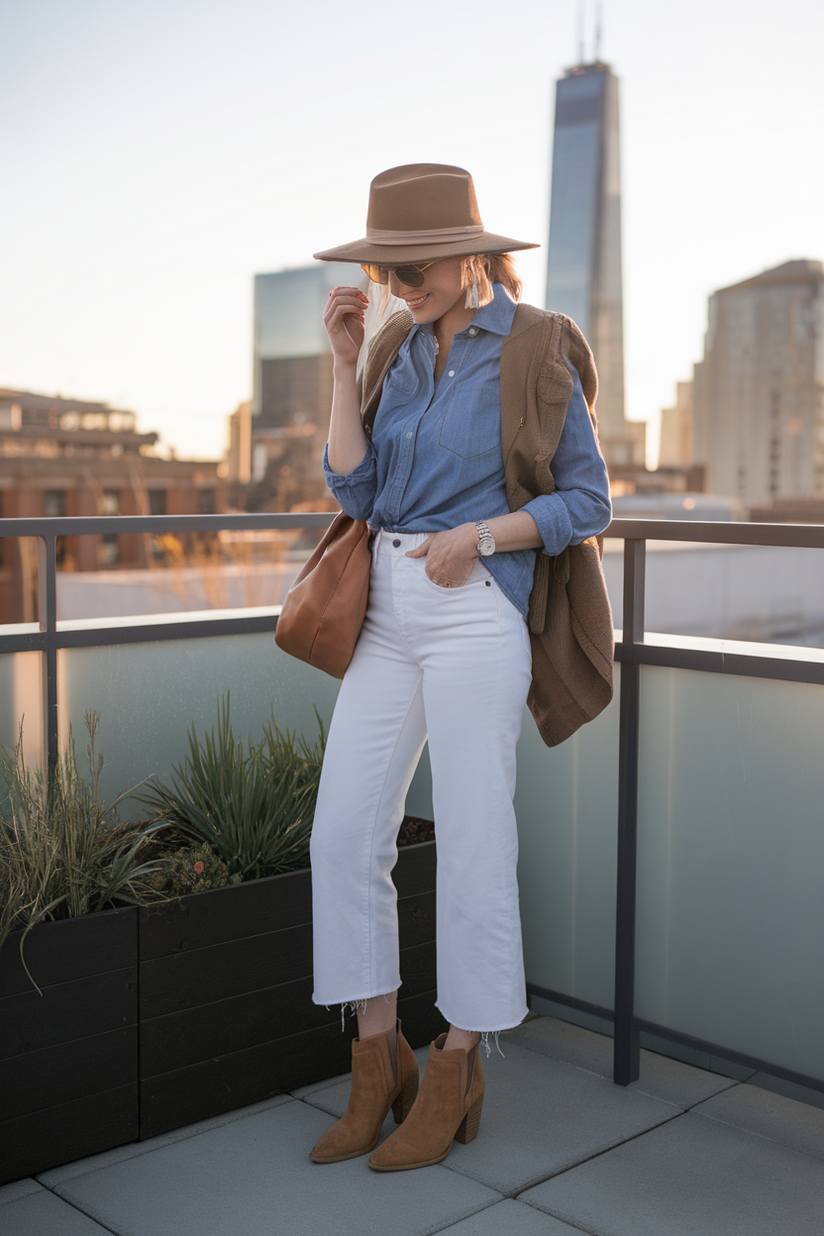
{"points": [[496, 317]]}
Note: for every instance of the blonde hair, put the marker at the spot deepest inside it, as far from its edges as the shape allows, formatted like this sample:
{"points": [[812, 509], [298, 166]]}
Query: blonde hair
{"points": [[486, 269]]}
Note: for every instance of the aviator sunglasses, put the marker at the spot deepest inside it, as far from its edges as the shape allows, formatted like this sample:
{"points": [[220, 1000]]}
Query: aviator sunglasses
{"points": [[410, 276]]}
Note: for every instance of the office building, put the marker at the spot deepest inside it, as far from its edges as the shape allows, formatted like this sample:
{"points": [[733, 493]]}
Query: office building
{"points": [[292, 383], [584, 278], [759, 391], [292, 364], [676, 447]]}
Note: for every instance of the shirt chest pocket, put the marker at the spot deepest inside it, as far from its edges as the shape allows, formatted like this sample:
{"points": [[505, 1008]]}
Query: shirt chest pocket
{"points": [[471, 424]]}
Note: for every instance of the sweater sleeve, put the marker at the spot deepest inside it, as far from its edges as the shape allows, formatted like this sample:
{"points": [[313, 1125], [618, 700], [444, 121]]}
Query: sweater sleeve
{"points": [[580, 506]]}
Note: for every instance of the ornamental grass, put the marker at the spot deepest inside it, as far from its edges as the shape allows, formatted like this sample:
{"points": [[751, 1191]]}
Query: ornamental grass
{"points": [[64, 852], [251, 803]]}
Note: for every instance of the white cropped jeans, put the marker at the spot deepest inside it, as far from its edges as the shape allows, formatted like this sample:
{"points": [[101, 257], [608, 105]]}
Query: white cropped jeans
{"points": [[454, 663]]}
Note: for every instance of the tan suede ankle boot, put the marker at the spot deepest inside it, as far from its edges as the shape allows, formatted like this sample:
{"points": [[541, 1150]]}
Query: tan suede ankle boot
{"points": [[378, 1083], [448, 1107]]}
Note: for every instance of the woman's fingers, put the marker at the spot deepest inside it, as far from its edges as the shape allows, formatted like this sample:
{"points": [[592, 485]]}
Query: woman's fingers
{"points": [[346, 300], [420, 551], [450, 555], [346, 325], [344, 321]]}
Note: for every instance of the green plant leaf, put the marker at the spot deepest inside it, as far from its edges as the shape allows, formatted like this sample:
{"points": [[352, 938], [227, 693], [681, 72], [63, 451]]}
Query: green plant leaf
{"points": [[63, 851], [252, 804]]}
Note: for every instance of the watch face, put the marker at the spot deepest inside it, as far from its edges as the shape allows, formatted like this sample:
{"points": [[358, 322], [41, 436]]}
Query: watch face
{"points": [[486, 546]]}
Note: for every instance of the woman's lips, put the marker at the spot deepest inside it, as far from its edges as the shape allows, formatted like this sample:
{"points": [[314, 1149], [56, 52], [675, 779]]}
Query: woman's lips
{"points": [[416, 304]]}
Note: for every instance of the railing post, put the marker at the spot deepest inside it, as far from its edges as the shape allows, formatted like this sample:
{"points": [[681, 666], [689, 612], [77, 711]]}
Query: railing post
{"points": [[47, 617], [627, 1047]]}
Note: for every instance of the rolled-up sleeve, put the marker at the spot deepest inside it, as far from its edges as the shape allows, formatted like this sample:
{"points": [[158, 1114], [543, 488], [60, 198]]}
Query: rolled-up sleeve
{"points": [[580, 507], [355, 491]]}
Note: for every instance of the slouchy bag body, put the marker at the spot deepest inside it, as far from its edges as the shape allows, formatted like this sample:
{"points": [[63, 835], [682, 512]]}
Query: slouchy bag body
{"points": [[323, 612]]}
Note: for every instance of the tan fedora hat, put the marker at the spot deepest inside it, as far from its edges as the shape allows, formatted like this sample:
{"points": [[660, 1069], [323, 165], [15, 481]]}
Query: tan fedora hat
{"points": [[422, 211]]}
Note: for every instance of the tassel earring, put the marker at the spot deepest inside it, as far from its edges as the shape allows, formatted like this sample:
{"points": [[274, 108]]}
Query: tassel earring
{"points": [[473, 297]]}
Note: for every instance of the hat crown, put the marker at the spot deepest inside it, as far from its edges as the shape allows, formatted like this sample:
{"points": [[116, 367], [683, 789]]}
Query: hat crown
{"points": [[422, 212], [422, 197]]}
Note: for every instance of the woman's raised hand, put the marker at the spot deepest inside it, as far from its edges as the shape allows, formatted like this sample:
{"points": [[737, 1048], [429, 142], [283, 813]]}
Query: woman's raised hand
{"points": [[343, 319]]}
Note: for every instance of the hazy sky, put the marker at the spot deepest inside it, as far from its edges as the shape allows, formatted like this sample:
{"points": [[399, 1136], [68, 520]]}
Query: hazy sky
{"points": [[157, 153]]}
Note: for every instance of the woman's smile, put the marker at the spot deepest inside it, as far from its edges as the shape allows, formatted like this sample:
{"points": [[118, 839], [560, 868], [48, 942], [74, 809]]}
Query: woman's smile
{"points": [[441, 293]]}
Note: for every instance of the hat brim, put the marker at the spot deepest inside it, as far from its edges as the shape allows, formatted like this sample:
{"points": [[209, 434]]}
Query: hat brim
{"points": [[391, 255]]}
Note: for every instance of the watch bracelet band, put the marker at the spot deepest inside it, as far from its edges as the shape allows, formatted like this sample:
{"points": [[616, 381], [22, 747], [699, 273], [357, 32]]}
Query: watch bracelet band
{"points": [[484, 535]]}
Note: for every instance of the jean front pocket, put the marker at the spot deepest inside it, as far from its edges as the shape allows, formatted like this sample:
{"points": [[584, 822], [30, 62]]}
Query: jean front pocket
{"points": [[477, 576]]}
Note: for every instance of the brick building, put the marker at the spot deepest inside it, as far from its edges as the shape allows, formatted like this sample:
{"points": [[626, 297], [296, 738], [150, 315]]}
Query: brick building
{"points": [[69, 457]]}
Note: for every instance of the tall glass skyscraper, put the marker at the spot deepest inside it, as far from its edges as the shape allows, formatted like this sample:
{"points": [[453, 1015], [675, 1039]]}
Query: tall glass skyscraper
{"points": [[292, 363], [584, 265]]}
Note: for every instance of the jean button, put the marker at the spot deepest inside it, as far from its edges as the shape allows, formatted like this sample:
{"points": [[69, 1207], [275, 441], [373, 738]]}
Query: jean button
{"points": [[396, 543]]}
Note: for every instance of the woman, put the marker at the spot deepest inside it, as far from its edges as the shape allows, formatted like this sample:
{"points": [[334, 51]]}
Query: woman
{"points": [[467, 441]]}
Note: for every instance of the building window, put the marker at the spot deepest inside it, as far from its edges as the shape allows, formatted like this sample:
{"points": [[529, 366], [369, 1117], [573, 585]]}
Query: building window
{"points": [[111, 502], [108, 551], [208, 505], [157, 501], [54, 503]]}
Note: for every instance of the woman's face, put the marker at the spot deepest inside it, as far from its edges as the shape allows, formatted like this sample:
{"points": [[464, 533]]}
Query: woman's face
{"points": [[441, 291]]}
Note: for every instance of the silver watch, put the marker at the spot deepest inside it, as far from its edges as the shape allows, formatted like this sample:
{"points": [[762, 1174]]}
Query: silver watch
{"points": [[486, 543]]}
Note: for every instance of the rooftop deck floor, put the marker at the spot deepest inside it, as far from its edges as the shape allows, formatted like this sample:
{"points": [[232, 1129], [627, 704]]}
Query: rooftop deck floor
{"points": [[682, 1152]]}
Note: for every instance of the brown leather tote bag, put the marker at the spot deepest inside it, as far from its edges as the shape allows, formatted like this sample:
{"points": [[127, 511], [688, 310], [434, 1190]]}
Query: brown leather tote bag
{"points": [[323, 612]]}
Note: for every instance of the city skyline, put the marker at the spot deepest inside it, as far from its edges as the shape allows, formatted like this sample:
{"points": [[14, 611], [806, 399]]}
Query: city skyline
{"points": [[158, 157]]}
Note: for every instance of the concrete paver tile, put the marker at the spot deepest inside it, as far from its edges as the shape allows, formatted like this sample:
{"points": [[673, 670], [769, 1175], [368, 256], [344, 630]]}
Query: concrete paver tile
{"points": [[254, 1178], [43, 1214], [663, 1078], [510, 1218], [541, 1116], [691, 1177], [18, 1188], [674, 1082], [770, 1115], [303, 1092], [790, 1090], [564, 1041], [135, 1150]]}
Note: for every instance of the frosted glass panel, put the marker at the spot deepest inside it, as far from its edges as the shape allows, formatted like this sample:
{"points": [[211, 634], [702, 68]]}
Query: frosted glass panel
{"points": [[567, 806], [731, 863], [21, 699], [149, 694]]}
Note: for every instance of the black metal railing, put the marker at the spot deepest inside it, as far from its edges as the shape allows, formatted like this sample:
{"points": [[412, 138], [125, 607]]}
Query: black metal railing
{"points": [[632, 651], [49, 639]]}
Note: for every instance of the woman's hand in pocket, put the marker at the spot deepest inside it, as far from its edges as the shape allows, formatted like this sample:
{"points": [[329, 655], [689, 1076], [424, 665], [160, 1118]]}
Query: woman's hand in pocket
{"points": [[450, 556]]}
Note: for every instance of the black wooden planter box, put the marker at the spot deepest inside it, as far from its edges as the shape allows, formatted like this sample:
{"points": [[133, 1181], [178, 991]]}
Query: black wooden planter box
{"points": [[226, 1013], [155, 1018], [68, 1058]]}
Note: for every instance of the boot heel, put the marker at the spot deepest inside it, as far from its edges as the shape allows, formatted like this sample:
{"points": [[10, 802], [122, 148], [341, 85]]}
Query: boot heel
{"points": [[403, 1103], [468, 1128]]}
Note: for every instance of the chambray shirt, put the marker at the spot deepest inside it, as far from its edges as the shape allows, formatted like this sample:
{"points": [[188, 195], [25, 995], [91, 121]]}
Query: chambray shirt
{"points": [[435, 459]]}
